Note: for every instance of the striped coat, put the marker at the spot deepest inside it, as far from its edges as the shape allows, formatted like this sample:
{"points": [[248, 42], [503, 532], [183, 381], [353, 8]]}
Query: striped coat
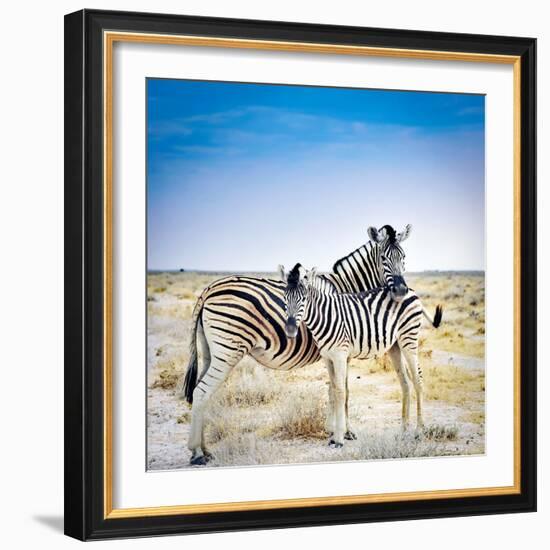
{"points": [[357, 325], [364, 325]]}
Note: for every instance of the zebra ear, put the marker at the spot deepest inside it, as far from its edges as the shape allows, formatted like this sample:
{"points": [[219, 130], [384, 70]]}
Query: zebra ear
{"points": [[405, 234], [281, 270], [310, 275], [374, 235]]}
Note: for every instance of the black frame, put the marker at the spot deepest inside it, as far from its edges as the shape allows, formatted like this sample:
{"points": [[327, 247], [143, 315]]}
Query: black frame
{"points": [[84, 275]]}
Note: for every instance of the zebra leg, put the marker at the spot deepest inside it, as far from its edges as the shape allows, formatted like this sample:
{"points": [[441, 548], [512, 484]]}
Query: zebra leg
{"points": [[205, 350], [397, 360], [350, 434], [411, 356], [329, 425], [207, 385], [339, 362]]}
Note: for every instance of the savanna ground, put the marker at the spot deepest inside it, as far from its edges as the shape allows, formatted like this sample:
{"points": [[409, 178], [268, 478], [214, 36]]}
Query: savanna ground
{"points": [[261, 416]]}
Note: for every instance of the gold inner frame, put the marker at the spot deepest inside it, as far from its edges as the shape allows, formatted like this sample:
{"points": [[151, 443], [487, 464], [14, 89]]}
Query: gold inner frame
{"points": [[109, 39]]}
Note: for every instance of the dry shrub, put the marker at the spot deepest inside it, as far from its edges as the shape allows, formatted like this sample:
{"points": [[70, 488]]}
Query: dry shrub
{"points": [[243, 449], [378, 364], [235, 450], [248, 386], [395, 444], [167, 373], [384, 363], [220, 423], [302, 414], [242, 399], [166, 379], [184, 418], [228, 422], [438, 432]]}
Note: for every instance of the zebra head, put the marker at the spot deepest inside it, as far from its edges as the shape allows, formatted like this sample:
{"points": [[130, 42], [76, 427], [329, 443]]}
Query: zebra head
{"points": [[392, 257], [295, 297]]}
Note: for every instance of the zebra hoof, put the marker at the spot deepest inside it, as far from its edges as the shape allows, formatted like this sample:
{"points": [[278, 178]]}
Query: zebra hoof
{"points": [[334, 444], [350, 436], [200, 460]]}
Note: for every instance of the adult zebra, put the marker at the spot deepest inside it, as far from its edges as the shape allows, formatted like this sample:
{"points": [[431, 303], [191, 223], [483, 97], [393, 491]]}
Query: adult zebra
{"points": [[238, 316], [359, 325]]}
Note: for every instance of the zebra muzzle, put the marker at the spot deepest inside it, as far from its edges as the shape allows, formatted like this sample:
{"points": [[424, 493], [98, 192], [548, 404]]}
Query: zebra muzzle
{"points": [[399, 288], [291, 328]]}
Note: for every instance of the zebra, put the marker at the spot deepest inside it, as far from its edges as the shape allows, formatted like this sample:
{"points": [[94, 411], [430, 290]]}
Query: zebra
{"points": [[379, 262], [238, 315], [359, 325]]}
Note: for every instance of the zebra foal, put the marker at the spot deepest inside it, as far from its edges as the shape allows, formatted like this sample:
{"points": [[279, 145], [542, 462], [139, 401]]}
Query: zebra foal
{"points": [[362, 325]]}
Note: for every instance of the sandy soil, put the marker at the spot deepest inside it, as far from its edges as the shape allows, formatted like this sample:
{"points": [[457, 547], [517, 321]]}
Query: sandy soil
{"points": [[265, 417]]}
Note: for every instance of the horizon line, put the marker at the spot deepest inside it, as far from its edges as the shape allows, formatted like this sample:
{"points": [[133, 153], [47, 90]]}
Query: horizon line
{"points": [[183, 270]]}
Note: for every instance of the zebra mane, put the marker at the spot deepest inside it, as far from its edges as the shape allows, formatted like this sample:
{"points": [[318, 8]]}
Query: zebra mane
{"points": [[294, 276], [339, 262], [370, 292], [390, 231]]}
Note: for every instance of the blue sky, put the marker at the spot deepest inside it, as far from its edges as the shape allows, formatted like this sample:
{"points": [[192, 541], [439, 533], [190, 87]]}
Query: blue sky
{"points": [[243, 177]]}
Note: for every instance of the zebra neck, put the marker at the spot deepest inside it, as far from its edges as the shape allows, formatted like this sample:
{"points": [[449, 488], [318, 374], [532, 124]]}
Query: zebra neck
{"points": [[358, 271], [323, 285], [317, 310]]}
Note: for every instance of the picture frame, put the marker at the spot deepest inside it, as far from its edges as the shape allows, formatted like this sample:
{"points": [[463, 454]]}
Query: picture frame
{"points": [[90, 36]]}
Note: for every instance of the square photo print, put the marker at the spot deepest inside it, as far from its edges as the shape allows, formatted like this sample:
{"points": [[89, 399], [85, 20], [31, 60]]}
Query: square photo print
{"points": [[315, 274]]}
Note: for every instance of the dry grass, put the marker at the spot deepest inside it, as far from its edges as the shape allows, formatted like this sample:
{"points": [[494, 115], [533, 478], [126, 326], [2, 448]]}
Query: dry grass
{"points": [[248, 386], [454, 385], [463, 298], [184, 418], [396, 444], [436, 432], [166, 379], [302, 414], [261, 416], [247, 449], [474, 417]]}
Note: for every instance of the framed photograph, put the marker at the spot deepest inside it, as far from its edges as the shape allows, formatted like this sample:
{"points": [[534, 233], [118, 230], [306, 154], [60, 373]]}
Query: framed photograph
{"points": [[300, 274]]}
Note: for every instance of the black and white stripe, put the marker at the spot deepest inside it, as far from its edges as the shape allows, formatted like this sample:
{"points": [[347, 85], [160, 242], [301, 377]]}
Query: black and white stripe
{"points": [[357, 325]]}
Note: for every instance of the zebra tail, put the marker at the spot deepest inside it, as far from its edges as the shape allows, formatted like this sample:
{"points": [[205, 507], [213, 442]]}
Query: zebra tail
{"points": [[438, 316], [190, 380]]}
